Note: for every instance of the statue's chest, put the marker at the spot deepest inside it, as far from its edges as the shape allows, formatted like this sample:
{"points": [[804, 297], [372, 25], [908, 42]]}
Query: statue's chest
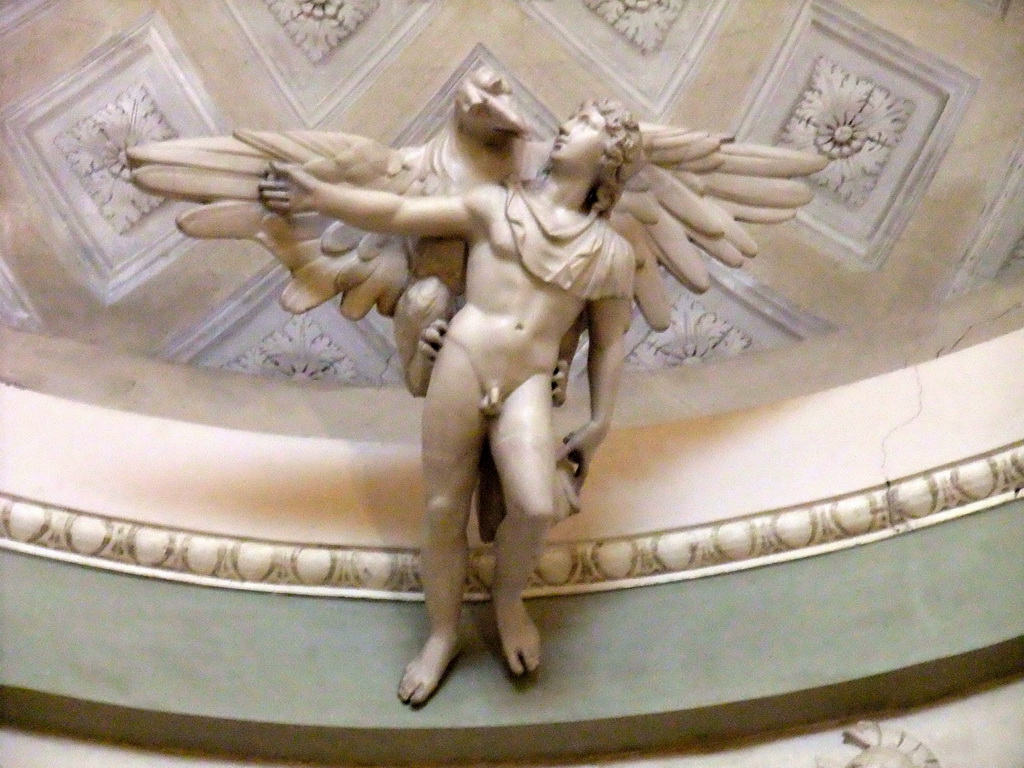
{"points": [[503, 244]]}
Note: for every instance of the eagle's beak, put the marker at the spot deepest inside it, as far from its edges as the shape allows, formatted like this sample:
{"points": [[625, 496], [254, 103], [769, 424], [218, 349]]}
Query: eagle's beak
{"points": [[504, 117]]}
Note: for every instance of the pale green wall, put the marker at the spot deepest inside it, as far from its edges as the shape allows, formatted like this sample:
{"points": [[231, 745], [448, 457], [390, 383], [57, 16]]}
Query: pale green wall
{"points": [[678, 648]]}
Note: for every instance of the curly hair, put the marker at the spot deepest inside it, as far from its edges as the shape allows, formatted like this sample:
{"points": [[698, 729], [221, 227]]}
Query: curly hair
{"points": [[621, 151]]}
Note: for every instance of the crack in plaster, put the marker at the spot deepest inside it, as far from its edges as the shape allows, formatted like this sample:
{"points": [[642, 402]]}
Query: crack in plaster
{"points": [[885, 443], [945, 350]]}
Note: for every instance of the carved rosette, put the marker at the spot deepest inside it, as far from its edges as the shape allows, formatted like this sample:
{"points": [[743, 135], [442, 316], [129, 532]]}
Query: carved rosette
{"points": [[851, 120], [96, 150], [882, 746], [696, 335], [644, 23], [319, 26], [300, 350]]}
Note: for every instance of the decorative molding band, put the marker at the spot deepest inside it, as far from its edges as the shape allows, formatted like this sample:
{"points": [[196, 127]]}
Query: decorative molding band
{"points": [[16, 14], [565, 567], [997, 8]]}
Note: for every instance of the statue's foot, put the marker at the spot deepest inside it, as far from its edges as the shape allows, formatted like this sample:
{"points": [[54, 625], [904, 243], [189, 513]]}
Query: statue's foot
{"points": [[520, 639], [423, 674]]}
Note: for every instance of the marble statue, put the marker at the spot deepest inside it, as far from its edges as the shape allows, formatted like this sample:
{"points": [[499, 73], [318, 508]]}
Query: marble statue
{"points": [[498, 252]]}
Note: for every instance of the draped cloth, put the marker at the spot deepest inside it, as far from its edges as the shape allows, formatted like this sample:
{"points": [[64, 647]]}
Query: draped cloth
{"points": [[588, 259]]}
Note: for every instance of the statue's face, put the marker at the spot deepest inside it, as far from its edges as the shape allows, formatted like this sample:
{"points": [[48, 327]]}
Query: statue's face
{"points": [[580, 141]]}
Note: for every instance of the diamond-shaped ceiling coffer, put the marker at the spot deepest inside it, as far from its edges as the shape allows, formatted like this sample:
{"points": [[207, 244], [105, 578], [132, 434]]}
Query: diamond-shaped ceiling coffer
{"points": [[71, 139], [648, 48], [322, 53], [882, 111]]}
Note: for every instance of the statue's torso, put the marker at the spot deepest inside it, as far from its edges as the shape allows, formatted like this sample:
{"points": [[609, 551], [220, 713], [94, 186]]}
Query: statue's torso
{"points": [[512, 322]]}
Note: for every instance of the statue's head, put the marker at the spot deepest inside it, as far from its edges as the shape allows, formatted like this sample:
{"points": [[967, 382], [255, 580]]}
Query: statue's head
{"points": [[622, 149], [485, 107]]}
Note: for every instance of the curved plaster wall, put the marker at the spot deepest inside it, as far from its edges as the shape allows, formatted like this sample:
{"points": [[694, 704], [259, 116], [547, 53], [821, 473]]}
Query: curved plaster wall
{"points": [[867, 459], [895, 623]]}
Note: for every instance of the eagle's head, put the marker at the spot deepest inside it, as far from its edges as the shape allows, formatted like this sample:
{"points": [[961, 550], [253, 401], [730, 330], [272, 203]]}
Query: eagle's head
{"points": [[485, 108]]}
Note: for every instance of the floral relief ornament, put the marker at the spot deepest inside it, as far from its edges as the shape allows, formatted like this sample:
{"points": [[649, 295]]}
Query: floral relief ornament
{"points": [[319, 26], [300, 350], [852, 121], [96, 149], [696, 335], [645, 23]]}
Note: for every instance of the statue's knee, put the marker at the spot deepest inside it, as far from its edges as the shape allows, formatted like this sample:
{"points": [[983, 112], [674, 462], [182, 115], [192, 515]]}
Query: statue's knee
{"points": [[539, 510], [445, 518]]}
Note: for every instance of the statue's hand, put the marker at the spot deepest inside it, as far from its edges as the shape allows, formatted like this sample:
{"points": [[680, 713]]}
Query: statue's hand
{"points": [[579, 447], [288, 189], [432, 338], [560, 383]]}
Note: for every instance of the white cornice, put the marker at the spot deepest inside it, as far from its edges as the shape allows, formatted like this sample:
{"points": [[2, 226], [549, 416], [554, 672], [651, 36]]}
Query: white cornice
{"points": [[593, 565]]}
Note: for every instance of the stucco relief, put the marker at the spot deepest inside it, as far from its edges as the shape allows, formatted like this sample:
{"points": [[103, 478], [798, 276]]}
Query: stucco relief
{"points": [[882, 746], [568, 567], [96, 151], [882, 110], [851, 120], [319, 26], [645, 23], [300, 350], [696, 335]]}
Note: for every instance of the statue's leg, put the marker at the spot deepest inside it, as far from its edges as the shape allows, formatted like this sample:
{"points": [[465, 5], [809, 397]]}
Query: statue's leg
{"points": [[453, 431], [522, 441]]}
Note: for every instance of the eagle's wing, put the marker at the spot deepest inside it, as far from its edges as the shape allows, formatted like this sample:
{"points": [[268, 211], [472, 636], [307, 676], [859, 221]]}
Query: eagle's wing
{"points": [[223, 174], [689, 198], [219, 168]]}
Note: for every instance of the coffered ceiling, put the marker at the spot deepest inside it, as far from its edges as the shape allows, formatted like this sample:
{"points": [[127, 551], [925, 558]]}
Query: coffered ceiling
{"points": [[920, 212]]}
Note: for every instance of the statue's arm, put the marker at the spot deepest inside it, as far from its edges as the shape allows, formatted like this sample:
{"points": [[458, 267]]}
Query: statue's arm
{"points": [[294, 190], [608, 322]]}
